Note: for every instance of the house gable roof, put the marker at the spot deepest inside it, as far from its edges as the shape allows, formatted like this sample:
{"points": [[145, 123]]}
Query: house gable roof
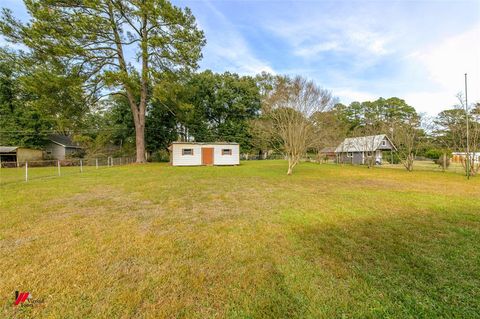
{"points": [[63, 140], [328, 150], [362, 144]]}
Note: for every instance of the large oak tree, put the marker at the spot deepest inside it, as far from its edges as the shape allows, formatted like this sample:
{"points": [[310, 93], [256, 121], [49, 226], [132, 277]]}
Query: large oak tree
{"points": [[119, 46]]}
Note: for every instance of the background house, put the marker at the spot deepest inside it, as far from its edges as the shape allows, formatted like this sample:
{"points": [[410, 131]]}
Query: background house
{"points": [[61, 147], [192, 154], [357, 150], [327, 153], [15, 154], [460, 157]]}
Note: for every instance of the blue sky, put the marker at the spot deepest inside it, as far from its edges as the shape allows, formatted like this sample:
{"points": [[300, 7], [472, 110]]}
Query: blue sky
{"points": [[361, 50]]}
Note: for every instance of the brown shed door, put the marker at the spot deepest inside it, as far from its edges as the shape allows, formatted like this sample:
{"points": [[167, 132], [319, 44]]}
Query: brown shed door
{"points": [[207, 156]]}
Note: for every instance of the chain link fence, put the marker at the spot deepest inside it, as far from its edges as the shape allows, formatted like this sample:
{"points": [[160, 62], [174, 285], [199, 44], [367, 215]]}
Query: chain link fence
{"points": [[429, 165], [14, 172], [248, 157]]}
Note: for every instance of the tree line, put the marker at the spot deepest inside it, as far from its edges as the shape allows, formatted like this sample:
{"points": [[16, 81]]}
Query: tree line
{"points": [[122, 75]]}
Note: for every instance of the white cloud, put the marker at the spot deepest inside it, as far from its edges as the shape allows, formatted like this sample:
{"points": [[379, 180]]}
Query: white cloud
{"points": [[316, 49], [431, 102], [348, 95], [311, 37], [226, 48], [233, 55], [446, 63], [372, 42]]}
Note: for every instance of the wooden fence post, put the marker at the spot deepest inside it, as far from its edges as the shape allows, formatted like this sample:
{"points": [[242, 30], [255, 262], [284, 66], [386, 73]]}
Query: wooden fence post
{"points": [[96, 163], [58, 165], [26, 171], [81, 166]]}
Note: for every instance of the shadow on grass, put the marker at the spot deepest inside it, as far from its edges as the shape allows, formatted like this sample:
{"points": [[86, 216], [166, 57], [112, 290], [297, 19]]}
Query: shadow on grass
{"points": [[274, 299], [402, 266]]}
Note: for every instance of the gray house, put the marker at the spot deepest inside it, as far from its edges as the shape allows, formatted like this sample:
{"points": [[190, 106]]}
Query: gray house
{"points": [[358, 150], [61, 147]]}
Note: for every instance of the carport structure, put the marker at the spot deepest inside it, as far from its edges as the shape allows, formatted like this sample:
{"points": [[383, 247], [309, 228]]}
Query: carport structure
{"points": [[15, 154]]}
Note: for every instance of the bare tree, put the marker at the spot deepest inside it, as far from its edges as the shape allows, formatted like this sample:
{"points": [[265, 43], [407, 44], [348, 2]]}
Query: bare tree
{"points": [[451, 132], [290, 108], [408, 139]]}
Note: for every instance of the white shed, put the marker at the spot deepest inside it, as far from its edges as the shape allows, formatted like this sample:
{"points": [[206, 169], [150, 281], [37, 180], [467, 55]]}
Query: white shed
{"points": [[192, 154]]}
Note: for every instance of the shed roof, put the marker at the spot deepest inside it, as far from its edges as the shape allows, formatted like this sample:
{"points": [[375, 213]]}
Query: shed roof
{"points": [[206, 143], [328, 150], [362, 144], [8, 149], [63, 140]]}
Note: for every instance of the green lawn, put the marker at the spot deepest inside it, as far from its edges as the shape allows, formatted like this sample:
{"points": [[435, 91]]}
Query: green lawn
{"points": [[154, 241]]}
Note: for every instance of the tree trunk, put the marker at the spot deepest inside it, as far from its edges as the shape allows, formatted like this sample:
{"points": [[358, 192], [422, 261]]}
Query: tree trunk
{"points": [[140, 130], [410, 162], [290, 169], [291, 164], [137, 112], [444, 162], [140, 138]]}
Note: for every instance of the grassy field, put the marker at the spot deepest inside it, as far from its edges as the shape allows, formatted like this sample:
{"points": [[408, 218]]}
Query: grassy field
{"points": [[429, 166], [155, 241]]}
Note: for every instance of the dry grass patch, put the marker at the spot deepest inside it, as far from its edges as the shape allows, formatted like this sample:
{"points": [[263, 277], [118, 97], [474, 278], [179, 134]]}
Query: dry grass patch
{"points": [[156, 241]]}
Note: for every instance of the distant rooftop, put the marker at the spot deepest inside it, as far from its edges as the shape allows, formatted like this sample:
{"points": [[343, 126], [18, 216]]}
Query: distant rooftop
{"points": [[63, 140], [328, 150], [361, 144], [7, 149]]}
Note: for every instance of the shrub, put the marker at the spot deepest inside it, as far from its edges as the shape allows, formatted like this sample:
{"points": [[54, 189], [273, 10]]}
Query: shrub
{"points": [[160, 156], [387, 156], [439, 161], [434, 153]]}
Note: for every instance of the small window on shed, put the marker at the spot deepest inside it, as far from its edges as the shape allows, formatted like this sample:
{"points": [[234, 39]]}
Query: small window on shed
{"points": [[187, 151], [384, 143], [227, 151]]}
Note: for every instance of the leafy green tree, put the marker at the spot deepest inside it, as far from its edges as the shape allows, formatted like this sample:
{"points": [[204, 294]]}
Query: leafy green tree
{"points": [[382, 114], [161, 127], [451, 128], [37, 100], [58, 94], [112, 126], [122, 46], [219, 106], [21, 121]]}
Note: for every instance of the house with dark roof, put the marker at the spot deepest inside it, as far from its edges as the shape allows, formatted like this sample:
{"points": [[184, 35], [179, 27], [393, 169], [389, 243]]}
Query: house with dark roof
{"points": [[61, 147], [357, 150]]}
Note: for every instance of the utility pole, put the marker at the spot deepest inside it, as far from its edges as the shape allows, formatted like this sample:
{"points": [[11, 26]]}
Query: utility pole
{"points": [[468, 137]]}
